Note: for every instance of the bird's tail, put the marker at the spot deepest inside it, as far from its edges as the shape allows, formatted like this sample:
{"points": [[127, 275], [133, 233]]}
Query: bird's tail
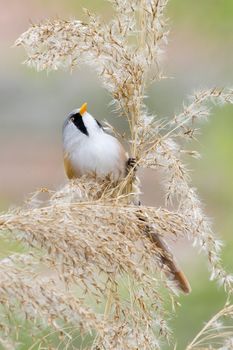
{"points": [[166, 256], [169, 260]]}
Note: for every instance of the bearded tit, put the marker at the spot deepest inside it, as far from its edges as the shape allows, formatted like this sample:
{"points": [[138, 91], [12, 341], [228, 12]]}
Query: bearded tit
{"points": [[89, 149]]}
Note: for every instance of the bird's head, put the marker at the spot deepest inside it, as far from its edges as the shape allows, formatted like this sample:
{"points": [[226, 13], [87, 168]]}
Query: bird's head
{"points": [[81, 122]]}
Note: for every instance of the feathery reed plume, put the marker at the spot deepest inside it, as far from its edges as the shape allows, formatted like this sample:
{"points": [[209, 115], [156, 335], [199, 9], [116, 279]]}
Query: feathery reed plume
{"points": [[92, 234], [96, 243], [217, 332]]}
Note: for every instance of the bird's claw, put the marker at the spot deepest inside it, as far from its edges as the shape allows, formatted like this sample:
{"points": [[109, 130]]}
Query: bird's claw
{"points": [[131, 164]]}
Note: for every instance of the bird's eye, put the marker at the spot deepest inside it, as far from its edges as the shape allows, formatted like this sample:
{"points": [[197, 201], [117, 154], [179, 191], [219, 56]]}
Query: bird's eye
{"points": [[72, 119]]}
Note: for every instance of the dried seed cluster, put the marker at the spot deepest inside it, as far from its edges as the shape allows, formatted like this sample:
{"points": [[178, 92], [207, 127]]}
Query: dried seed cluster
{"points": [[90, 234]]}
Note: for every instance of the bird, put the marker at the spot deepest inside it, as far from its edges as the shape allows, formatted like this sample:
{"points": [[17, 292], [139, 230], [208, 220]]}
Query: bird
{"points": [[88, 148]]}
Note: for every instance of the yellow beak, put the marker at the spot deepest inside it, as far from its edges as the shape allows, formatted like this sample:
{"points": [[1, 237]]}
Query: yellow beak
{"points": [[83, 109]]}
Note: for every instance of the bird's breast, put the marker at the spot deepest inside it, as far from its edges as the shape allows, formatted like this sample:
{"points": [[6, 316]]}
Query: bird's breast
{"points": [[101, 154]]}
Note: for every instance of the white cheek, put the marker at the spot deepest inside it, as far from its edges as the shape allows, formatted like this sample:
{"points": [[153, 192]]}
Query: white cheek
{"points": [[72, 136]]}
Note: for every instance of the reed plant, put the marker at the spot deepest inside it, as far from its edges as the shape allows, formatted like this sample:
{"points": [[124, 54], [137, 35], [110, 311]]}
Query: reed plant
{"points": [[92, 271]]}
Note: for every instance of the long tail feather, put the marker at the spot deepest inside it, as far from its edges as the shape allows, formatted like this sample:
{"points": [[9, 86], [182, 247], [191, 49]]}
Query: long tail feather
{"points": [[168, 259]]}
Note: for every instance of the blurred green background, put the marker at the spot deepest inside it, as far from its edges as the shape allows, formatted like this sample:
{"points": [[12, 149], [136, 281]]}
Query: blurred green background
{"points": [[34, 105]]}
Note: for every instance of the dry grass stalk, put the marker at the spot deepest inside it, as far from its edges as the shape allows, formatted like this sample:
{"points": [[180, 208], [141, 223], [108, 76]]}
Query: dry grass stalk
{"points": [[95, 243], [90, 233], [217, 332]]}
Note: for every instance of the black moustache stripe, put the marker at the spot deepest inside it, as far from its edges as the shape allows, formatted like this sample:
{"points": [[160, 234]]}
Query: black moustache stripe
{"points": [[78, 122]]}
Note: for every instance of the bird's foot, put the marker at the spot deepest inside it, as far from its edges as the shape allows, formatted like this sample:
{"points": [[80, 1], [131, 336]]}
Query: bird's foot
{"points": [[131, 164]]}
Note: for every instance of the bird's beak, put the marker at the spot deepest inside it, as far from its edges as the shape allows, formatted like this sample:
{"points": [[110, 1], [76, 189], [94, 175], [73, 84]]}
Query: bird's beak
{"points": [[83, 109]]}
